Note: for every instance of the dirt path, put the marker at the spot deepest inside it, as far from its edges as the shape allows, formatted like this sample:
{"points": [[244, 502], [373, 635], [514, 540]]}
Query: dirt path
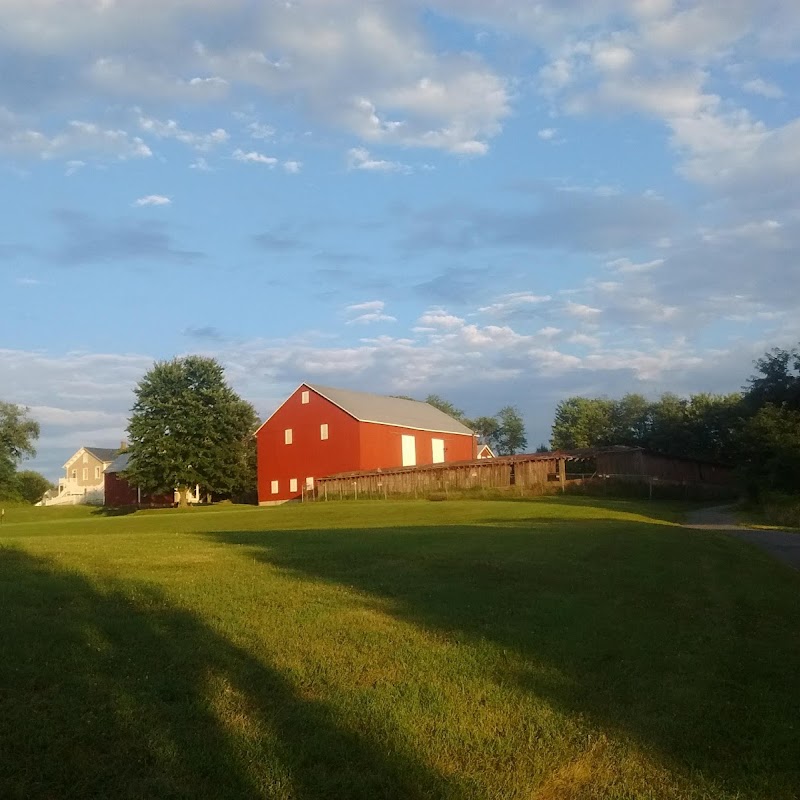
{"points": [[783, 545]]}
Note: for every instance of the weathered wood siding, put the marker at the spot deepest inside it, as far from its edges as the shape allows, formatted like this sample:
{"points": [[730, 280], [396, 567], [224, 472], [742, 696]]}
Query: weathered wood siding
{"points": [[538, 473], [529, 472], [652, 465]]}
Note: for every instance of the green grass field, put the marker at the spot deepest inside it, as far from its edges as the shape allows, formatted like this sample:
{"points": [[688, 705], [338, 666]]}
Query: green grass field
{"points": [[550, 649]]}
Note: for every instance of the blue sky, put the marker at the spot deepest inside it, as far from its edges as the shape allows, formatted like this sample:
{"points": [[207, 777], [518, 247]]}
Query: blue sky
{"points": [[499, 202]]}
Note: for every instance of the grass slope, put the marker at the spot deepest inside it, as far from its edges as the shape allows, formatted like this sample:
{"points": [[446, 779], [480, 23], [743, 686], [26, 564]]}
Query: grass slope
{"points": [[561, 648]]}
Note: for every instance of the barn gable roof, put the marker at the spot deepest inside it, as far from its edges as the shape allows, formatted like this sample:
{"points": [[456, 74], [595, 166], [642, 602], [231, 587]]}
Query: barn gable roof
{"points": [[119, 464], [384, 410]]}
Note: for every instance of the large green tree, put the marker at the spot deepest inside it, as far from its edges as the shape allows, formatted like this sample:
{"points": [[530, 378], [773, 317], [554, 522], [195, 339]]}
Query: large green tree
{"points": [[776, 381], [770, 453], [30, 485], [189, 427], [18, 432], [581, 422], [772, 449], [510, 437]]}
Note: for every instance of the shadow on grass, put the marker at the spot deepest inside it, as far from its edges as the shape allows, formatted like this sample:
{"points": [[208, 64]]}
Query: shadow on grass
{"points": [[112, 693], [114, 511], [684, 643]]}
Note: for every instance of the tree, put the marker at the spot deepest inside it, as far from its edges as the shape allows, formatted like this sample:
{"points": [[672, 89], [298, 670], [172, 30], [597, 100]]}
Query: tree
{"points": [[581, 422], [487, 429], [510, 437], [772, 444], [189, 427], [18, 432], [630, 421], [30, 485], [777, 381], [445, 406]]}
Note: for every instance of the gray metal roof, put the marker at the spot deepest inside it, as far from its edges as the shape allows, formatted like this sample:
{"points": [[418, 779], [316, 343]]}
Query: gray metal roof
{"points": [[103, 453], [119, 463], [384, 410]]}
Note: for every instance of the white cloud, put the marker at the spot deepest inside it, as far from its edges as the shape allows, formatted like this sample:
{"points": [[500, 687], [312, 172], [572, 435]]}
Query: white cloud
{"points": [[258, 130], [360, 158], [73, 166], [763, 88], [626, 266], [322, 55], [77, 138], [368, 312], [546, 134], [253, 157], [127, 77], [292, 167], [581, 311], [170, 129], [438, 318], [612, 57], [153, 200], [515, 303]]}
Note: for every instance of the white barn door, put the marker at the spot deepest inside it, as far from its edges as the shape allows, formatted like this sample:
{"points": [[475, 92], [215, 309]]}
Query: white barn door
{"points": [[409, 451], [437, 445]]}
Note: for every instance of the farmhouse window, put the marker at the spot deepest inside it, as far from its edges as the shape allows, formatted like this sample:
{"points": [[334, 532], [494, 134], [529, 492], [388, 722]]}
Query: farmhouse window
{"points": [[304, 397], [74, 474], [86, 473], [85, 459], [287, 436], [323, 431], [97, 472], [274, 487], [293, 485]]}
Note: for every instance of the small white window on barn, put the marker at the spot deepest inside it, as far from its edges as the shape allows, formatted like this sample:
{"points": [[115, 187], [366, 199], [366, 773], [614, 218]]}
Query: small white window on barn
{"points": [[293, 485], [437, 446], [274, 487], [323, 431], [309, 484], [304, 397], [287, 436]]}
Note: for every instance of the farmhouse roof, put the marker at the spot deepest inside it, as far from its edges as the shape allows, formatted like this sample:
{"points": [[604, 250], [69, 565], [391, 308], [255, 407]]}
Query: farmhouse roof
{"points": [[384, 410], [119, 464], [102, 453]]}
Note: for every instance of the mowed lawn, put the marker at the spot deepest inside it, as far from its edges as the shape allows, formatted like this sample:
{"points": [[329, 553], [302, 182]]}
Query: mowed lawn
{"points": [[556, 648]]}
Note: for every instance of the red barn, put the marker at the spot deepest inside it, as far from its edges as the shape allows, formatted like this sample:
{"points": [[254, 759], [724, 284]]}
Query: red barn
{"points": [[120, 493], [321, 431]]}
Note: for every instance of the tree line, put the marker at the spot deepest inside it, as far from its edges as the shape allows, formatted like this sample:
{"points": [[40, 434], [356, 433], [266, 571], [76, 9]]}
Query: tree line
{"points": [[188, 427], [757, 430], [504, 432]]}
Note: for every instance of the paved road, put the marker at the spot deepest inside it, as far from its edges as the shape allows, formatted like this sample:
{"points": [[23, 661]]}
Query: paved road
{"points": [[783, 545]]}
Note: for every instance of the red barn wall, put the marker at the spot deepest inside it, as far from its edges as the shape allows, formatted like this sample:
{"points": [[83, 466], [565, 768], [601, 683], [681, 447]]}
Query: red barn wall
{"points": [[118, 493], [381, 446], [351, 445], [308, 456]]}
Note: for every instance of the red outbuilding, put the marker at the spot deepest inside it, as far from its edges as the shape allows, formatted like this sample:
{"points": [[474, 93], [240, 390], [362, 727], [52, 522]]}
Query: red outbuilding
{"points": [[321, 431], [119, 492]]}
